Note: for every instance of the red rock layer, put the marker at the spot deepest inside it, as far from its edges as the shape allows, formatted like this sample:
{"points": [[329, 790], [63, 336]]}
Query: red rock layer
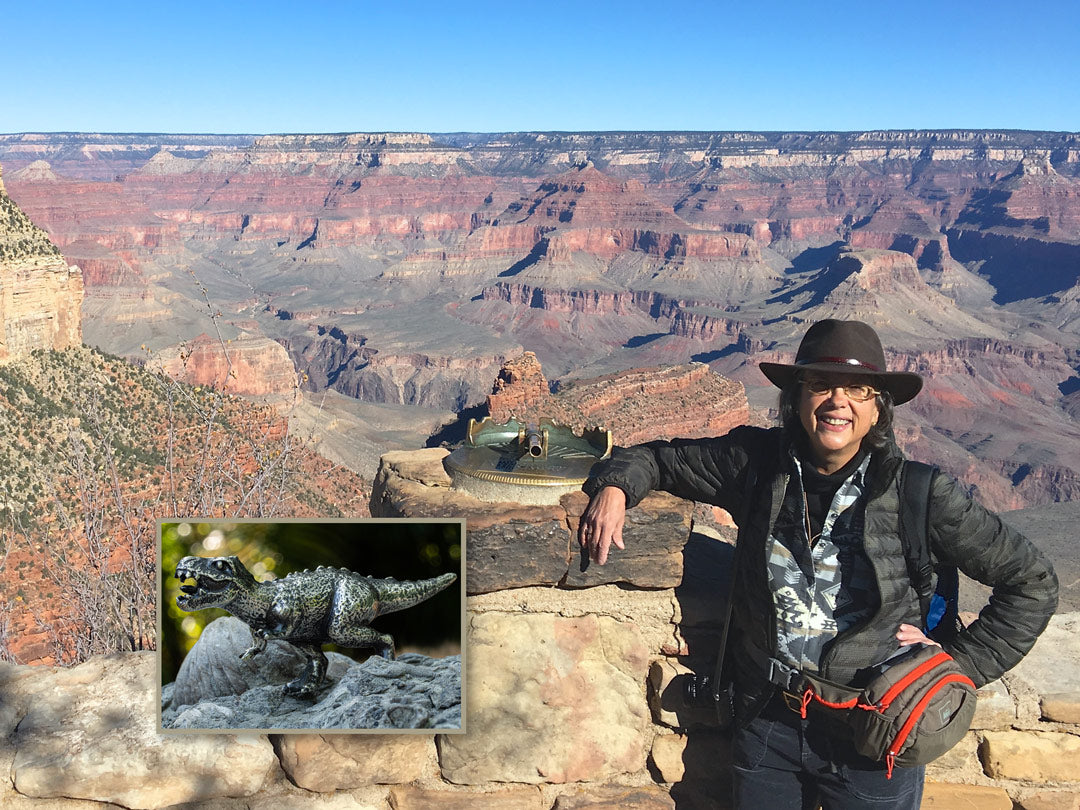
{"points": [[248, 366], [636, 406], [609, 242], [585, 197]]}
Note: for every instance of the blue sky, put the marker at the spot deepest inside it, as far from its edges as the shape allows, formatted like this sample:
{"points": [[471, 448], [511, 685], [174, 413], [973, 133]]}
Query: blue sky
{"points": [[484, 66]]}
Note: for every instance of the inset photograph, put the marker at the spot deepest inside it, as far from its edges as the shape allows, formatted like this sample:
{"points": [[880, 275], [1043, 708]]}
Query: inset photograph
{"points": [[307, 625]]}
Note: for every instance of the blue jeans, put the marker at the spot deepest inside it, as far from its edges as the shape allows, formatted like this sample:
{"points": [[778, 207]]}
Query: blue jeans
{"points": [[782, 761]]}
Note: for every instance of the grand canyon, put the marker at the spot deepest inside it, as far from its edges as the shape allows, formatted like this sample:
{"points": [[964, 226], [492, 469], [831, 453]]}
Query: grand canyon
{"points": [[395, 274], [268, 315]]}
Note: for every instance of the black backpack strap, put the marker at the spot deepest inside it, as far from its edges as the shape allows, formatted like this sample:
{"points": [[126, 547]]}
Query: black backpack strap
{"points": [[719, 685], [915, 480]]}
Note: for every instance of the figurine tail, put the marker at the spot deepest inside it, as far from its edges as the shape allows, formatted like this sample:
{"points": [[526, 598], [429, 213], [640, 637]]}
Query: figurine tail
{"points": [[395, 596]]}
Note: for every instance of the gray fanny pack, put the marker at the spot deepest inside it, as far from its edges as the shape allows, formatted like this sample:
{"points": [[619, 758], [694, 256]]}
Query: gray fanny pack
{"points": [[917, 705]]}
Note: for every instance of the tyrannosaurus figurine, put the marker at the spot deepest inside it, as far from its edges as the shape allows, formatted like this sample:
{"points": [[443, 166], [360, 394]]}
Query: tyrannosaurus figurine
{"points": [[305, 608]]}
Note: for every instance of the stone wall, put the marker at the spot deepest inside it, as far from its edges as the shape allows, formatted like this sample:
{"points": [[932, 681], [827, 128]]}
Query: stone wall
{"points": [[569, 683]]}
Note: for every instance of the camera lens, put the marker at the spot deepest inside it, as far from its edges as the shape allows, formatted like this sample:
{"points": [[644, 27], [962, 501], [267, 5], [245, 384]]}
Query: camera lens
{"points": [[697, 691]]}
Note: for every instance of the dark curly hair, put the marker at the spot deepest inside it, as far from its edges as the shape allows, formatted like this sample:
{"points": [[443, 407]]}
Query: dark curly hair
{"points": [[880, 434]]}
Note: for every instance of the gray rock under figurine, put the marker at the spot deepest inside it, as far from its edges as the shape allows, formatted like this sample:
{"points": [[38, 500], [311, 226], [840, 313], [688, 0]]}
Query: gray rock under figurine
{"points": [[215, 689]]}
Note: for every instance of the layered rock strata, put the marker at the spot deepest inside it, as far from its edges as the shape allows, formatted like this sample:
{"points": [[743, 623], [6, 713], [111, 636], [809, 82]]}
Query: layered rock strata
{"points": [[40, 295], [636, 406], [445, 254], [253, 366]]}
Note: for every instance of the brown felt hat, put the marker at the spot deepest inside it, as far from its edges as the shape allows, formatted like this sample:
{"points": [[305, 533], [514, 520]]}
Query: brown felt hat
{"points": [[844, 347]]}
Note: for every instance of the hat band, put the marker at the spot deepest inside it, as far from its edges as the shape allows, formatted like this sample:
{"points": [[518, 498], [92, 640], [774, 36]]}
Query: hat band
{"points": [[841, 361]]}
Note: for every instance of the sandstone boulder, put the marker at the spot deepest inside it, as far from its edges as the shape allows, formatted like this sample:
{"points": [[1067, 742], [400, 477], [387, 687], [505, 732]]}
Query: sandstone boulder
{"points": [[89, 733], [325, 763], [552, 699], [406, 797], [995, 708], [1031, 755]]}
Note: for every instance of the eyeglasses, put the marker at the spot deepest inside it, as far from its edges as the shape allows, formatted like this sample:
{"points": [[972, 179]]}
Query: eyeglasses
{"points": [[856, 392]]}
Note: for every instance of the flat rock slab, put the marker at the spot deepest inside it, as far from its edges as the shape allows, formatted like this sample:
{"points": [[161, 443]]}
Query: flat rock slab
{"points": [[945, 796], [552, 699], [503, 798], [326, 763], [1035, 756], [1051, 800], [616, 798], [1058, 686], [654, 533], [515, 546], [516, 554], [411, 692], [90, 733]]}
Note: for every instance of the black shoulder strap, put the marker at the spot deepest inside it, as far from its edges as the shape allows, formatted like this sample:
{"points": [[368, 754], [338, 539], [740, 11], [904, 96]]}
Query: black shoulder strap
{"points": [[718, 684], [915, 479]]}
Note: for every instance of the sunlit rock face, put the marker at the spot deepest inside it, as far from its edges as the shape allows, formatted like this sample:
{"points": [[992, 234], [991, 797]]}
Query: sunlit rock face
{"points": [[40, 295], [637, 405], [253, 366]]}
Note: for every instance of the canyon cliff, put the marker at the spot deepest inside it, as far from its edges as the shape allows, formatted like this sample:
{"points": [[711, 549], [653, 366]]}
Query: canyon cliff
{"points": [[40, 295], [404, 269], [93, 449], [638, 405], [253, 366]]}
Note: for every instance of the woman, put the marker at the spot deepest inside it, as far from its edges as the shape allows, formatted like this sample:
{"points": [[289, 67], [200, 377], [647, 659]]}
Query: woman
{"points": [[822, 585]]}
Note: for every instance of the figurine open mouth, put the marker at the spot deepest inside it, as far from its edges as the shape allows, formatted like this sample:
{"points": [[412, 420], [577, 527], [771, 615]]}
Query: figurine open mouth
{"points": [[191, 582]]}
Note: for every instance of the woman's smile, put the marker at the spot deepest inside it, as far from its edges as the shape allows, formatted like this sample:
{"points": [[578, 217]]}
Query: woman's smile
{"points": [[835, 424]]}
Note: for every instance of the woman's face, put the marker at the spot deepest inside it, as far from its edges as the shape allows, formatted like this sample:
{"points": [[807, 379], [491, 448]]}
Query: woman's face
{"points": [[834, 419]]}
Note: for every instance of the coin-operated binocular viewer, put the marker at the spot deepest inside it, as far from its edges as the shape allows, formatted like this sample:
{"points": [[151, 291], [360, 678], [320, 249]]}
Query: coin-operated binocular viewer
{"points": [[534, 463]]}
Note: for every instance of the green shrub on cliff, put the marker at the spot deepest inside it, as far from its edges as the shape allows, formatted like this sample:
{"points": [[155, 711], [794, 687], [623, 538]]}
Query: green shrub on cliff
{"points": [[19, 237], [93, 450]]}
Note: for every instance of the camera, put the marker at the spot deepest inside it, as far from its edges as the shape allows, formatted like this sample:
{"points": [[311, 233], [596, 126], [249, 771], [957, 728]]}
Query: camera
{"points": [[697, 692]]}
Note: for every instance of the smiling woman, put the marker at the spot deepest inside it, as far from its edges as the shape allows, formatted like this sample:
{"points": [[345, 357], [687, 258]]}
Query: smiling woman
{"points": [[821, 584]]}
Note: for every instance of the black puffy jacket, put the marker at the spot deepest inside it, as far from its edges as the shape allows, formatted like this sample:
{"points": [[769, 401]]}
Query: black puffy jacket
{"points": [[753, 465]]}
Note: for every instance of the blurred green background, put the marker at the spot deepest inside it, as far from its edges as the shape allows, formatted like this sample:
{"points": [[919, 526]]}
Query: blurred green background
{"points": [[403, 550]]}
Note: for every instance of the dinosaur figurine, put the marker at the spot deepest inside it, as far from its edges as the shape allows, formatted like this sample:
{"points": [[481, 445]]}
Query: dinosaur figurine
{"points": [[305, 608]]}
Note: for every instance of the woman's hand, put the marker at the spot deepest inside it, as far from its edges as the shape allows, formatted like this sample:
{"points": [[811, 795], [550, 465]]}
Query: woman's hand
{"points": [[909, 634], [602, 523]]}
